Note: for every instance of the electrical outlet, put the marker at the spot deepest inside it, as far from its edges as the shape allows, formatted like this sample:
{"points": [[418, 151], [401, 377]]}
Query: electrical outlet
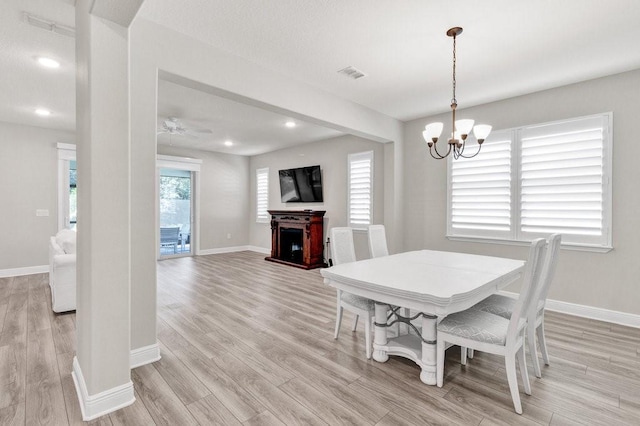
{"points": [[42, 212], [228, 236]]}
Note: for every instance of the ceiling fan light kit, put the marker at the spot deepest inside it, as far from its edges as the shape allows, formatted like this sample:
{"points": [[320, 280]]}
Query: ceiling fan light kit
{"points": [[460, 128], [173, 126]]}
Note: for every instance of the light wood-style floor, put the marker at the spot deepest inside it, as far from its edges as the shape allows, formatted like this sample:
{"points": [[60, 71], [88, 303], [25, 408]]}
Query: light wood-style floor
{"points": [[245, 341]]}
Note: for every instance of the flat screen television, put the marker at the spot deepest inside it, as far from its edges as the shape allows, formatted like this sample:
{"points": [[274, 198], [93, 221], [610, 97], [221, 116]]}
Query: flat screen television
{"points": [[301, 185]]}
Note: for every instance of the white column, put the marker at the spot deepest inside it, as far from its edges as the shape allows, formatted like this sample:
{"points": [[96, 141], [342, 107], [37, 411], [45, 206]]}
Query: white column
{"points": [[144, 204], [101, 367]]}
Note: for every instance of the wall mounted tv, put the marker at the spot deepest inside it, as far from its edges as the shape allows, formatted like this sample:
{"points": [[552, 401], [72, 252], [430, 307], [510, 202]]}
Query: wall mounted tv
{"points": [[301, 185]]}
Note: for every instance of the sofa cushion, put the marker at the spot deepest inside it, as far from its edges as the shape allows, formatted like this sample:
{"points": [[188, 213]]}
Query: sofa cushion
{"points": [[66, 239], [69, 247]]}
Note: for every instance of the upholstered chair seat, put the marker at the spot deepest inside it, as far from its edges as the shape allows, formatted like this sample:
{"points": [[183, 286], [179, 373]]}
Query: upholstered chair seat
{"points": [[357, 301], [476, 325]]}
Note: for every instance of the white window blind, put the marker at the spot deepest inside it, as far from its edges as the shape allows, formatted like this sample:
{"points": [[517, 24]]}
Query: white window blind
{"points": [[262, 195], [562, 179], [532, 181], [481, 189], [360, 186]]}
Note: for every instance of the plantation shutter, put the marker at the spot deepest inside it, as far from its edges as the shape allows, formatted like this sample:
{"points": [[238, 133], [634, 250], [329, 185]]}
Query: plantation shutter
{"points": [[262, 195], [563, 179], [360, 189], [480, 191]]}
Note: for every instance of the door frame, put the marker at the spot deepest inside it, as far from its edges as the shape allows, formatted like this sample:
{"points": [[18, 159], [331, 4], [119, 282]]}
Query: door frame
{"points": [[192, 165]]}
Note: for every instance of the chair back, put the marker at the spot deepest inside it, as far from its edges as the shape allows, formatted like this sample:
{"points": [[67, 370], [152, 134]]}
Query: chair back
{"points": [[377, 241], [529, 280], [342, 248], [546, 275], [169, 235]]}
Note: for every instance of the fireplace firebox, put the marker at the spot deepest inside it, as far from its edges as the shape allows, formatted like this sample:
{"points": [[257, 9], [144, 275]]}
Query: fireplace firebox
{"points": [[296, 238]]}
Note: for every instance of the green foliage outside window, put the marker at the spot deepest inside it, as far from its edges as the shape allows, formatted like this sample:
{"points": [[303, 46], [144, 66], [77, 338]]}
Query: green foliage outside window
{"points": [[175, 188]]}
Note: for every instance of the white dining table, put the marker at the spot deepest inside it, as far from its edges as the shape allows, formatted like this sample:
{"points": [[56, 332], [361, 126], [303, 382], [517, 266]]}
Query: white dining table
{"points": [[433, 284]]}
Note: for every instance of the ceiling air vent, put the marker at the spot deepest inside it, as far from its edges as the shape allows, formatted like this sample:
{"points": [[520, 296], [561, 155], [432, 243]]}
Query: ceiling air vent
{"points": [[352, 72], [51, 26]]}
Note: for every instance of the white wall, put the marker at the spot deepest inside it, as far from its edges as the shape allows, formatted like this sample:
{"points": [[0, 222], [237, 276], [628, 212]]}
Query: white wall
{"points": [[224, 197], [331, 155], [608, 281], [28, 181]]}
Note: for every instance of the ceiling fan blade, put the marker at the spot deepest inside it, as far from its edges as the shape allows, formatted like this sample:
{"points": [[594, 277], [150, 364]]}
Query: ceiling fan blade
{"points": [[203, 131]]}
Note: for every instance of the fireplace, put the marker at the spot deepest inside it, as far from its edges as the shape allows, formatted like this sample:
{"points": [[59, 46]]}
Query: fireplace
{"points": [[296, 238], [291, 244]]}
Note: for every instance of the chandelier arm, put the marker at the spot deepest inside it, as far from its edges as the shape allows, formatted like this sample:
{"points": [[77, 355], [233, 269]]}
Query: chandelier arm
{"points": [[470, 156], [439, 156], [456, 153]]}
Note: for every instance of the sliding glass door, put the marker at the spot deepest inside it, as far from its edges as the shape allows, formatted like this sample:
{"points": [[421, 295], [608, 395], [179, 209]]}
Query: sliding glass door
{"points": [[176, 212]]}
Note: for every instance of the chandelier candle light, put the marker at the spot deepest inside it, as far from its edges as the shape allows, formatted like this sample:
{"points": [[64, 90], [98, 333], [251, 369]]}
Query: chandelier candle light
{"points": [[460, 128]]}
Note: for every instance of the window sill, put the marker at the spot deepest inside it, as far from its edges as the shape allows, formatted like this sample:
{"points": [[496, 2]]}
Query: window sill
{"points": [[564, 246]]}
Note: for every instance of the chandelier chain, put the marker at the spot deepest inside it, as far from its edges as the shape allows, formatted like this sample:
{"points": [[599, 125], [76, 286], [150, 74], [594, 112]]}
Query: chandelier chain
{"points": [[453, 100]]}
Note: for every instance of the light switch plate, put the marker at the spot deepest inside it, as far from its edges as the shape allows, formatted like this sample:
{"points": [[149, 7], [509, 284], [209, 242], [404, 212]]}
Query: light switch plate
{"points": [[42, 212]]}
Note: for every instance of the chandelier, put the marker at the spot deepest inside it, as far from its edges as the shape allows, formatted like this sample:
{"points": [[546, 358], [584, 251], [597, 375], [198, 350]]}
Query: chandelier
{"points": [[460, 128]]}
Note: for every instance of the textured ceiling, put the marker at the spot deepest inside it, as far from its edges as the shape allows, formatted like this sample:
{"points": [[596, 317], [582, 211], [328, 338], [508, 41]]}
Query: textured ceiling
{"points": [[24, 85], [252, 130], [508, 48]]}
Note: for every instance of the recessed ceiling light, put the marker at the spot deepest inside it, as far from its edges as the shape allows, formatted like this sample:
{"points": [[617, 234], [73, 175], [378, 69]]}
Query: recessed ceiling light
{"points": [[43, 112], [228, 143], [48, 62], [290, 124]]}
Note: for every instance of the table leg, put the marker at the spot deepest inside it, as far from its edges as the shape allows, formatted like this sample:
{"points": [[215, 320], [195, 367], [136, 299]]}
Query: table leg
{"points": [[403, 328], [428, 373], [380, 336]]}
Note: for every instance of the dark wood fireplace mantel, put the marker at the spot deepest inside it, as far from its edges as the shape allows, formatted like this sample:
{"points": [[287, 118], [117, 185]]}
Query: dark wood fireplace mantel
{"points": [[296, 238]]}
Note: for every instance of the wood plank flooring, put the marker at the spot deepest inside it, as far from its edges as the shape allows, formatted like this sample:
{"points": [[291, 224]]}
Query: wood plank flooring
{"points": [[250, 342]]}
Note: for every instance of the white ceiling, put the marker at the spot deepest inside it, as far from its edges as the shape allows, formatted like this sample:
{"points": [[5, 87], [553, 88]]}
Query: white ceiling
{"points": [[24, 85], [252, 130], [508, 48]]}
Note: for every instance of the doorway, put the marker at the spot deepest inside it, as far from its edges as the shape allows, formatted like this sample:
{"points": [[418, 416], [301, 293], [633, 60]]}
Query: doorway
{"points": [[176, 212]]}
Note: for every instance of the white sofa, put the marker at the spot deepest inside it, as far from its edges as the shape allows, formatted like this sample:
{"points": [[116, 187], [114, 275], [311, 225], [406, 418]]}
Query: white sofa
{"points": [[62, 270]]}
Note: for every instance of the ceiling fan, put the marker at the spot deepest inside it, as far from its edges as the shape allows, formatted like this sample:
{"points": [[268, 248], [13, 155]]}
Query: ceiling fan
{"points": [[173, 126]]}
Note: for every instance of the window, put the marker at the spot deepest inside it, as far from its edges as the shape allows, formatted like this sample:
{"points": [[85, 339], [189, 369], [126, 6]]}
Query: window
{"points": [[536, 180], [67, 192], [360, 186], [73, 194], [480, 196], [262, 195]]}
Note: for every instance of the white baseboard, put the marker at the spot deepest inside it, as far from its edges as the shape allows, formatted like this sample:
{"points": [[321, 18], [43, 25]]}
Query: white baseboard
{"points": [[94, 406], [259, 249], [144, 355], [233, 250], [28, 270], [616, 317]]}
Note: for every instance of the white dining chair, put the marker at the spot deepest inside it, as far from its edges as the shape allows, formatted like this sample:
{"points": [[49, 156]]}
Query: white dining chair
{"points": [[377, 241], [491, 333], [343, 251], [378, 248], [503, 306]]}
